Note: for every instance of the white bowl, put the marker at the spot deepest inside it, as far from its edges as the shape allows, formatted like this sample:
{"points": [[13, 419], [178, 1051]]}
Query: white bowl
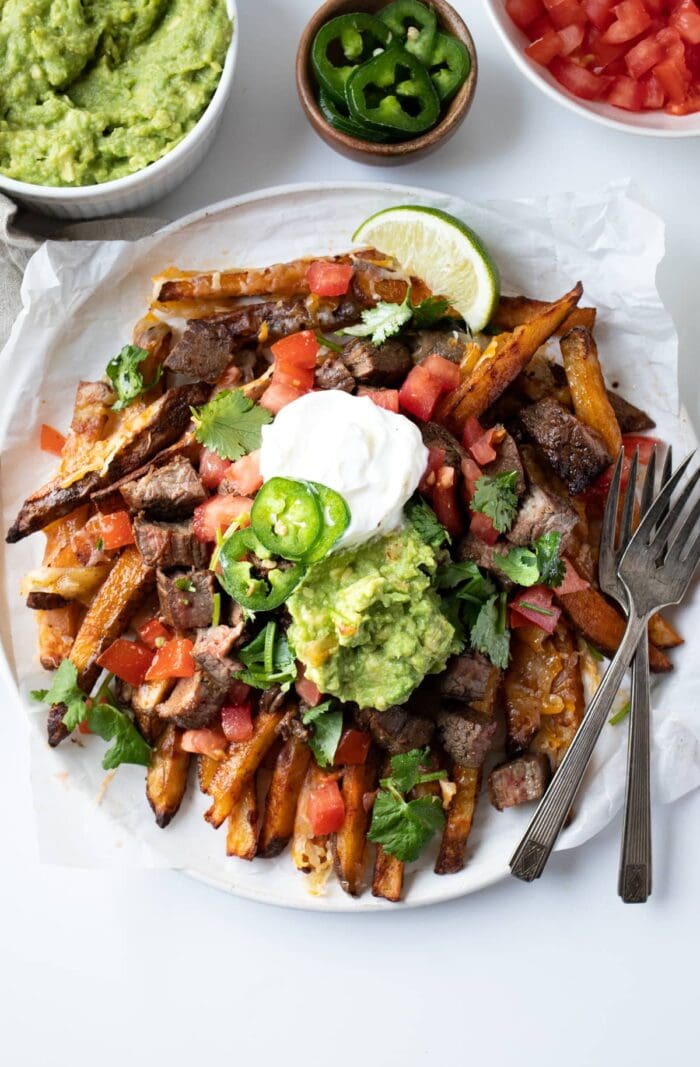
{"points": [[153, 182], [646, 123]]}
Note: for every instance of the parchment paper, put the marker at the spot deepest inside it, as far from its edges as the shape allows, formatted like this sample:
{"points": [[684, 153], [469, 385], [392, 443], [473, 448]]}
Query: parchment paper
{"points": [[80, 301]]}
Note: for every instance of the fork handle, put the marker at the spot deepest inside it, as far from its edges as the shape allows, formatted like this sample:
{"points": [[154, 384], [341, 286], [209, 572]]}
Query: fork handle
{"points": [[634, 883], [530, 858]]}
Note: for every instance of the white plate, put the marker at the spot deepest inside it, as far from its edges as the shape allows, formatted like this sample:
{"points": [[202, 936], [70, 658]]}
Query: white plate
{"points": [[81, 301]]}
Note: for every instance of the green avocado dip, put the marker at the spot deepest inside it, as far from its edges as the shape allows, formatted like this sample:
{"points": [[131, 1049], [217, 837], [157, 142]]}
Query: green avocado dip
{"points": [[367, 623], [92, 90]]}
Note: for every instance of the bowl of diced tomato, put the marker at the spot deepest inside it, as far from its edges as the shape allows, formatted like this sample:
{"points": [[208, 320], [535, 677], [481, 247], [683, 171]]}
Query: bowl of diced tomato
{"points": [[630, 64]]}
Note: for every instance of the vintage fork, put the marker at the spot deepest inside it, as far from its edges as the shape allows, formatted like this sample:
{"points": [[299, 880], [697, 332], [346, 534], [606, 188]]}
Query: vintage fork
{"points": [[655, 570]]}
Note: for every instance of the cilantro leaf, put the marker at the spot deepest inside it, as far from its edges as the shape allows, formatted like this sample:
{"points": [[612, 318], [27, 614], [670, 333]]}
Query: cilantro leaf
{"points": [[518, 564], [467, 579], [406, 769], [429, 312], [549, 562], [327, 721], [490, 634], [123, 371], [268, 659], [403, 828], [425, 522], [230, 424], [112, 724], [382, 321], [495, 495], [64, 690]]}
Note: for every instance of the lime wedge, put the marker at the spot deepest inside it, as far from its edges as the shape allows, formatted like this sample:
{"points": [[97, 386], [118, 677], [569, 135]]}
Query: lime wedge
{"points": [[438, 248]]}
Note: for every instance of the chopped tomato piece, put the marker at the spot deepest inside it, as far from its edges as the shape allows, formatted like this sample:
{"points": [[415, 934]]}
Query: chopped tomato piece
{"points": [[445, 503], [204, 743], [672, 80], [383, 398], [238, 692], [173, 660], [645, 54], [83, 727], [420, 393], [329, 279], [243, 476], [154, 634], [212, 468], [544, 49], [571, 37], [278, 395], [482, 450], [672, 43], [128, 660], [472, 431], [298, 378], [566, 13], [523, 12], [573, 582], [631, 19], [51, 440], [218, 513], [436, 460], [308, 691], [646, 445], [653, 93], [482, 527], [297, 350], [686, 19], [237, 721], [599, 12], [444, 370], [539, 28], [472, 472], [690, 104], [353, 748], [627, 94], [110, 531], [535, 606], [325, 808], [577, 79]]}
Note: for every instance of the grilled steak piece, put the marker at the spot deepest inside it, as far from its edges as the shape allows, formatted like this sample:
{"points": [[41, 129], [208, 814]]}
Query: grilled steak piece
{"points": [[45, 601], [436, 436], [508, 459], [169, 493], [210, 652], [239, 622], [273, 698], [386, 364], [473, 548], [472, 678], [333, 374], [451, 344], [207, 346], [167, 420], [396, 729], [55, 729], [630, 419], [518, 781], [169, 544], [186, 598], [466, 736], [194, 702], [542, 512], [573, 450]]}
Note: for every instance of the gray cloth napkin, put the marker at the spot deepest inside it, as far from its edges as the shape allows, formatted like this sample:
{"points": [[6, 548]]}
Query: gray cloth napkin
{"points": [[21, 233]]}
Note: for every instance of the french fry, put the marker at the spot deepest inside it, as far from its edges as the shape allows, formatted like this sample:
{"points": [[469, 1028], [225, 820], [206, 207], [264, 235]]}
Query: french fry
{"points": [[57, 630], [662, 634], [515, 311], [283, 796], [472, 355], [387, 880], [588, 392], [166, 778], [234, 773], [349, 843], [283, 279], [91, 414], [603, 625], [207, 767], [502, 361], [242, 833], [144, 700], [309, 854], [460, 816], [156, 338]]}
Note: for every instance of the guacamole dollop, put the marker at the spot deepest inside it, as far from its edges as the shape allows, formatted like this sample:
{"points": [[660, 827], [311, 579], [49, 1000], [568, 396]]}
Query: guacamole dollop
{"points": [[95, 90], [367, 622]]}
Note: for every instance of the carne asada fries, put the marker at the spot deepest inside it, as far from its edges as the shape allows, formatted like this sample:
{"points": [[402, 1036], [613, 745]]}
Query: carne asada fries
{"points": [[330, 564]]}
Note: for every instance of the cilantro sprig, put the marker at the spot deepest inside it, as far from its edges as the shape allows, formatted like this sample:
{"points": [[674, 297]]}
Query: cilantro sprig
{"points": [[490, 634], [230, 424], [530, 566], [123, 371], [326, 720], [268, 660], [384, 320], [425, 522], [496, 496], [404, 827]]}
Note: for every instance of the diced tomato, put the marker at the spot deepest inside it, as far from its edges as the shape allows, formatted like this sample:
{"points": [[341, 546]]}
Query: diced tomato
{"points": [[656, 7], [482, 450], [383, 398], [173, 660], [472, 472], [238, 692], [444, 370], [604, 56], [599, 12], [523, 12], [542, 613], [672, 80], [579, 81], [631, 19], [672, 42], [298, 349], [325, 809], [626, 93], [539, 28], [420, 393], [218, 512], [571, 38], [83, 727], [237, 721], [353, 748], [154, 634], [690, 105], [277, 396], [645, 54], [472, 431], [297, 378], [113, 530], [436, 460], [646, 445], [128, 660], [243, 476], [328, 279], [482, 527], [546, 48], [566, 13], [204, 743], [653, 93], [686, 19], [573, 582], [445, 503], [307, 691], [51, 440], [212, 468]]}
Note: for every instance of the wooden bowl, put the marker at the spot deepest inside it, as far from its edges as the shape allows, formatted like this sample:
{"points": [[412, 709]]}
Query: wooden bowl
{"points": [[369, 151]]}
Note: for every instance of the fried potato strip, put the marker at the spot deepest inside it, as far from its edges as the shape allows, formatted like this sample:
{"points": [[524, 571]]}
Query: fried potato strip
{"points": [[588, 392], [166, 778], [283, 796]]}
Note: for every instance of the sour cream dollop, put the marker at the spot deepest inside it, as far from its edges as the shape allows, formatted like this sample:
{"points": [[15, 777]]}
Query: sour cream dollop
{"points": [[372, 457]]}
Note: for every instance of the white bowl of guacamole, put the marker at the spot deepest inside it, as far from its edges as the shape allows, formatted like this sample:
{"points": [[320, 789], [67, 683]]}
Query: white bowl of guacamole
{"points": [[106, 107]]}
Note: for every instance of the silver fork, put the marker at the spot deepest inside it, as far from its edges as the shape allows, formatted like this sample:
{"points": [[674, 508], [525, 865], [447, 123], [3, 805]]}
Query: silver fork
{"points": [[656, 569]]}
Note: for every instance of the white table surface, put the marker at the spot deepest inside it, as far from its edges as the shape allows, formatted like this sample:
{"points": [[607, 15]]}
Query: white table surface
{"points": [[153, 967]]}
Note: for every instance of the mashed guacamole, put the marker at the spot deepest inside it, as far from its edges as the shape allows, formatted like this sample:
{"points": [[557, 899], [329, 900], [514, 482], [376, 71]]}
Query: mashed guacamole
{"points": [[367, 622], [92, 90]]}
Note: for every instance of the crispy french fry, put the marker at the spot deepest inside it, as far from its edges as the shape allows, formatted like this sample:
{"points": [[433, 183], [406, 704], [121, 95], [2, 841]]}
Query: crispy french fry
{"points": [[515, 311], [144, 700], [207, 767], [166, 779], [242, 832], [460, 817], [283, 279], [349, 843], [472, 355], [156, 338], [283, 796], [501, 363], [387, 880], [309, 853], [556, 732], [588, 393], [604, 626], [57, 630], [662, 634], [234, 773], [91, 414]]}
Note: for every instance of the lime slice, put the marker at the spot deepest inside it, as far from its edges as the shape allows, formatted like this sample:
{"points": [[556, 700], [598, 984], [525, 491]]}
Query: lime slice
{"points": [[436, 247]]}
